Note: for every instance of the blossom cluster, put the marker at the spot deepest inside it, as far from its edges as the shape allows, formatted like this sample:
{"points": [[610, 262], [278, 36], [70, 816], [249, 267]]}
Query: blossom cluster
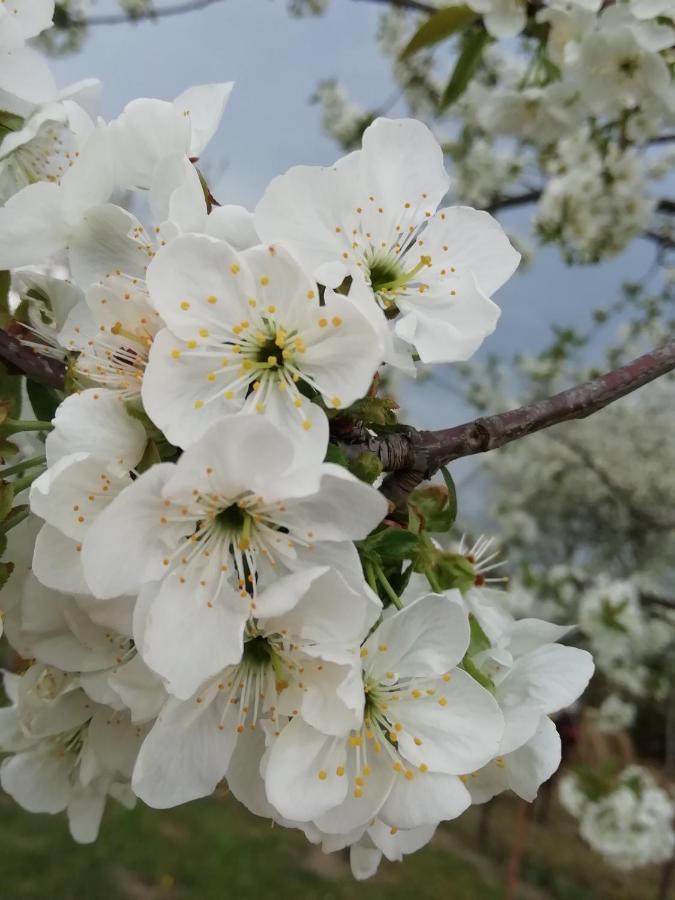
{"points": [[202, 587], [630, 822], [564, 117]]}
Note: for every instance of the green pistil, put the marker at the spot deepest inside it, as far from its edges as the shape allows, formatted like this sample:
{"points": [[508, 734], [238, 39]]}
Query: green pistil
{"points": [[258, 653], [231, 519], [388, 278]]}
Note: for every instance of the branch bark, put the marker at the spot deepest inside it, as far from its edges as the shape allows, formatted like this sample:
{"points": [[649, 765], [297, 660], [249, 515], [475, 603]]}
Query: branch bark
{"points": [[42, 369], [413, 456]]}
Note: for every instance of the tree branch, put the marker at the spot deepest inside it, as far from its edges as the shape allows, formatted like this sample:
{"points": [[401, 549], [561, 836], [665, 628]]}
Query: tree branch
{"points": [[178, 9], [42, 369], [413, 456]]}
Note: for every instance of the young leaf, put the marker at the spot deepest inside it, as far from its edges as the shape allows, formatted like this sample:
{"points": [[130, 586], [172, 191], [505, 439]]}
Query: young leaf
{"points": [[465, 67], [44, 400], [440, 25]]}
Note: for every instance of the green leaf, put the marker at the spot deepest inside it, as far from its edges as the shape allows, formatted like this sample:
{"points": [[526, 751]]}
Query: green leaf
{"points": [[5, 314], [6, 499], [336, 455], [6, 569], [392, 544], [465, 67], [44, 400], [439, 26]]}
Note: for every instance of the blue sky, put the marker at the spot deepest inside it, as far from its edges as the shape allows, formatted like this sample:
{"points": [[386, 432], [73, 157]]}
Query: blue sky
{"points": [[276, 62]]}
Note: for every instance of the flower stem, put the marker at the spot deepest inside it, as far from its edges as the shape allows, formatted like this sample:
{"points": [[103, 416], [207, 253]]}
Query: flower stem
{"points": [[12, 520], [388, 589], [22, 466], [13, 425], [433, 581]]}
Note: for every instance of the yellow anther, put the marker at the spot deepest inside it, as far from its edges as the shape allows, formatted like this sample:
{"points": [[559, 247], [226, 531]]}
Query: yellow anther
{"points": [[311, 295], [409, 775], [264, 279], [360, 781], [397, 767], [364, 652], [367, 771], [377, 746], [336, 403], [424, 767], [211, 299], [382, 648], [260, 407], [398, 726], [211, 376], [323, 775], [337, 321], [199, 404], [175, 354], [355, 740], [442, 701], [297, 403], [306, 424], [340, 771], [358, 792], [185, 305], [203, 332], [447, 676], [271, 308], [323, 323], [191, 345], [234, 268], [417, 741], [272, 360], [229, 395], [416, 694]]}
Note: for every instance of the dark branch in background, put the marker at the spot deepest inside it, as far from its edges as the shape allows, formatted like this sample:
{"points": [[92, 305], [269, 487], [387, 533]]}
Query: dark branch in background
{"points": [[23, 360], [177, 9], [413, 456]]}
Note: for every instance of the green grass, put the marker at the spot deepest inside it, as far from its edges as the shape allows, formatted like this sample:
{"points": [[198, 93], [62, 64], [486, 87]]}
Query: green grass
{"points": [[203, 851]]}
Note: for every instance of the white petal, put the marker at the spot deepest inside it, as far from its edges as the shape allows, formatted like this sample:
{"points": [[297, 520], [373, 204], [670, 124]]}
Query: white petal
{"points": [[184, 756], [96, 422], [85, 812], [234, 224], [425, 800], [552, 676], [534, 763], [203, 105], [190, 636], [188, 271], [476, 243], [38, 780], [292, 779], [460, 726], [105, 243], [57, 561], [123, 549], [425, 639], [32, 226]]}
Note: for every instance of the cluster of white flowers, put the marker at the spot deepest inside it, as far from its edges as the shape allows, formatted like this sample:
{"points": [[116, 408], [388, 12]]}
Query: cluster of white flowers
{"points": [[629, 822], [564, 114], [187, 583]]}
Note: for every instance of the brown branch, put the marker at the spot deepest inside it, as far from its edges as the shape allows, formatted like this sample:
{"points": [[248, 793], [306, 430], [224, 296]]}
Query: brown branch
{"points": [[26, 361], [413, 456]]}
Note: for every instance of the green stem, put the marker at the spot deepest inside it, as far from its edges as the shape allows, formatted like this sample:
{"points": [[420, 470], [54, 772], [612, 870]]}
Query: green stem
{"points": [[22, 466], [370, 575], [433, 581], [14, 425], [390, 592], [22, 483]]}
